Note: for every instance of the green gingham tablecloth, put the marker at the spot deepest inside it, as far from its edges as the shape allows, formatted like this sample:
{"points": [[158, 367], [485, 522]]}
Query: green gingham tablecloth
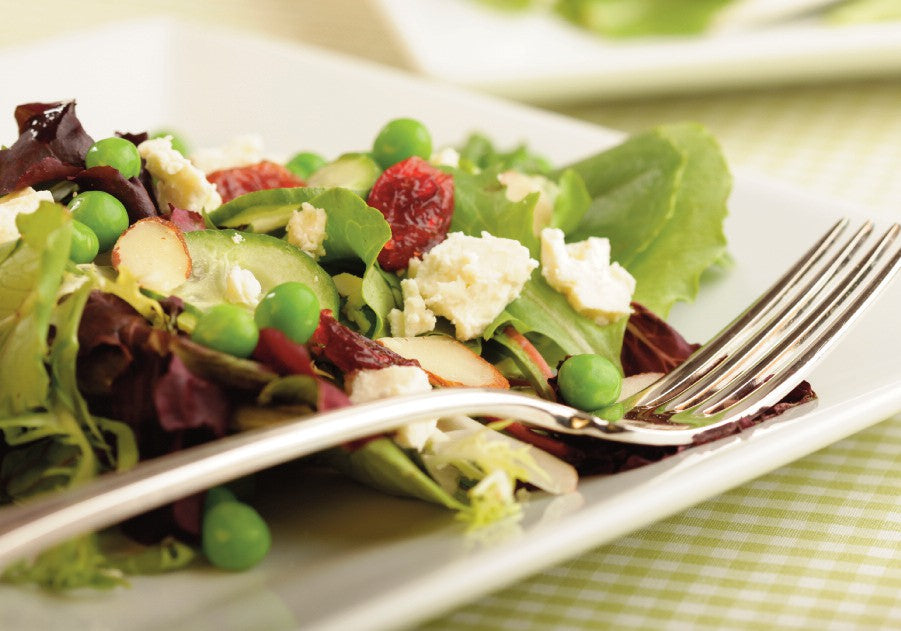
{"points": [[813, 545]]}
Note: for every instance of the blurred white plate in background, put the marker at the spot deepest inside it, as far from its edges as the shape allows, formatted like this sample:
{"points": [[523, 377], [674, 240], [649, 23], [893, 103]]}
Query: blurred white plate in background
{"points": [[537, 56]]}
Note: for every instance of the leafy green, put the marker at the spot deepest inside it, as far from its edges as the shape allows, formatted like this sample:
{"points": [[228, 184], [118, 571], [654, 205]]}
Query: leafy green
{"points": [[632, 186], [633, 18], [660, 197], [166, 556], [76, 563], [670, 269], [380, 463], [478, 151], [480, 204], [380, 291], [540, 309], [354, 230], [572, 201], [30, 278], [50, 439]]}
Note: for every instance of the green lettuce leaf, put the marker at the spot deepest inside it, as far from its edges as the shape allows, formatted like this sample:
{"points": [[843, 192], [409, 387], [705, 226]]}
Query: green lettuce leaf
{"points": [[670, 269], [660, 197], [632, 188], [542, 310], [480, 204], [478, 151], [383, 465]]}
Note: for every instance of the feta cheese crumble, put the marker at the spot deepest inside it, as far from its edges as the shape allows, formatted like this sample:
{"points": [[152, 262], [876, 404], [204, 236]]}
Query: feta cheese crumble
{"points": [[392, 381], [469, 280], [306, 229], [582, 271], [242, 287], [175, 179], [240, 151], [448, 156], [519, 186], [18, 203], [416, 318]]}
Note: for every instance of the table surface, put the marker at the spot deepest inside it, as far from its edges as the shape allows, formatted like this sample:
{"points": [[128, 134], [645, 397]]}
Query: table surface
{"points": [[813, 545]]}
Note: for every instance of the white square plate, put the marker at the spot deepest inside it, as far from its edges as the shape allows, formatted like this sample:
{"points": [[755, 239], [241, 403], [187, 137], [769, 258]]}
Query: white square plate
{"points": [[537, 56], [346, 557]]}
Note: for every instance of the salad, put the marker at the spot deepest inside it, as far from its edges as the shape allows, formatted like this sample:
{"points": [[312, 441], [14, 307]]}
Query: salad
{"points": [[153, 297]]}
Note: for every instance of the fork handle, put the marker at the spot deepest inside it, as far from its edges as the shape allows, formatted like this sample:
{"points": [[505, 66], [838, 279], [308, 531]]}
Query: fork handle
{"points": [[28, 528]]}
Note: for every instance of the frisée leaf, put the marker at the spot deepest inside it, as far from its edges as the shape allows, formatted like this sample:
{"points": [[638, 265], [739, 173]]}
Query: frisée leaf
{"points": [[32, 275]]}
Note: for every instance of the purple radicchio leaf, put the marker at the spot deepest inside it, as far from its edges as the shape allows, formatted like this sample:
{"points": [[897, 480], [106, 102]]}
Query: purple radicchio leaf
{"points": [[185, 401], [131, 192], [651, 345], [49, 133]]}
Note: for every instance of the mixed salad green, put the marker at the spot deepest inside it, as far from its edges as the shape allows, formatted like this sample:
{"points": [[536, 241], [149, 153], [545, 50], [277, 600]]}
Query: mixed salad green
{"points": [[152, 298]]}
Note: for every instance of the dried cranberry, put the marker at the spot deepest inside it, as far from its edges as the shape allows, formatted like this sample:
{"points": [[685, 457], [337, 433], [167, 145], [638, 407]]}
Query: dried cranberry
{"points": [[348, 350], [417, 201], [256, 177]]}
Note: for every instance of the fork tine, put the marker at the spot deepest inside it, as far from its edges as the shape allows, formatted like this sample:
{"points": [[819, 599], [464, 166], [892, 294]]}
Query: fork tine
{"points": [[735, 333], [773, 376], [759, 336]]}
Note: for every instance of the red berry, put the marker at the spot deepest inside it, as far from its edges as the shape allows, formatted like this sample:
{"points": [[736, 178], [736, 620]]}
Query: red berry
{"points": [[348, 350], [255, 177], [417, 201]]}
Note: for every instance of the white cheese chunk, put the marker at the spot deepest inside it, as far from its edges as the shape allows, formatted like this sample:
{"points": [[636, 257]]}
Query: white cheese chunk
{"points": [[470, 280], [375, 384], [582, 271], [306, 229], [242, 287], [18, 203], [416, 318], [448, 156], [240, 151], [175, 179], [519, 186]]}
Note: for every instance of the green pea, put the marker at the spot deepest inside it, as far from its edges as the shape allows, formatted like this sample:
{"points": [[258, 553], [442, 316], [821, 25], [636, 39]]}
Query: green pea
{"points": [[305, 164], [178, 141], [119, 153], [227, 328], [400, 139], [612, 412], [85, 245], [589, 382], [292, 308], [102, 213], [234, 536], [217, 495]]}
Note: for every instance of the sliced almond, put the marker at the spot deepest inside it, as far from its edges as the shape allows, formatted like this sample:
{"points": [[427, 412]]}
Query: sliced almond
{"points": [[448, 362], [155, 253]]}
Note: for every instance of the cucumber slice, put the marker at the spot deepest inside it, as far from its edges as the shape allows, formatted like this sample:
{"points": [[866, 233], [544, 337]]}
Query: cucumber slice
{"points": [[356, 171], [263, 211], [273, 261]]}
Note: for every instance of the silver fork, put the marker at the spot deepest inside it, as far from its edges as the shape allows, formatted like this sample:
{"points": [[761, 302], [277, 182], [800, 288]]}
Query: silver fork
{"points": [[749, 366]]}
